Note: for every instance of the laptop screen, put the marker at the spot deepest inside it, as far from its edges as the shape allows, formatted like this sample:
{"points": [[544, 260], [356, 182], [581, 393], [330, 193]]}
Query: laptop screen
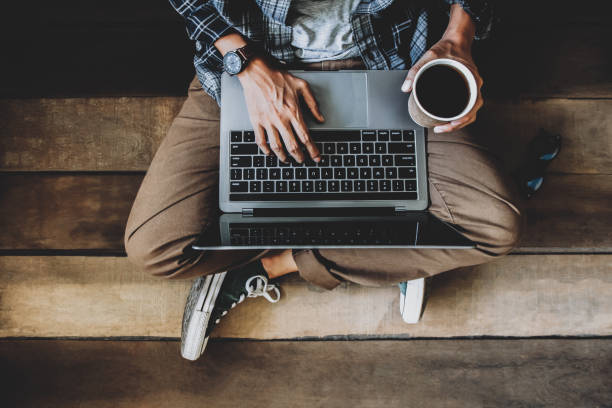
{"points": [[418, 230]]}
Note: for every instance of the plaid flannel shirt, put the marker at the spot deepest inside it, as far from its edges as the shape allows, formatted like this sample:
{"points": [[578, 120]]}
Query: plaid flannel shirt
{"points": [[389, 34]]}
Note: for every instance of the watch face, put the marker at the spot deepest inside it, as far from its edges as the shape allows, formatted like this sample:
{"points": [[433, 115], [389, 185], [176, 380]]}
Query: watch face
{"points": [[232, 63]]}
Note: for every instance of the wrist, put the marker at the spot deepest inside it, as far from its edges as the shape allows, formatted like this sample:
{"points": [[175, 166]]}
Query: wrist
{"points": [[257, 65], [461, 29]]}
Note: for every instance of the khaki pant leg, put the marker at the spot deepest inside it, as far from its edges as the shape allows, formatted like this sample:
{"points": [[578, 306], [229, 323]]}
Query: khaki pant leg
{"points": [[179, 194], [467, 189]]}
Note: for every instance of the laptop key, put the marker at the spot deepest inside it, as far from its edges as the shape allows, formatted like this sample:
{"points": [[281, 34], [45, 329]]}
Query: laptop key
{"points": [[411, 185], [396, 135], [314, 174], [271, 161], [387, 160], [368, 147], [284, 164], [333, 185], [380, 147], [355, 148], [243, 148], [365, 173], [346, 185], [336, 161], [240, 161], [239, 187], [359, 185], [236, 174], [287, 174], [268, 186], [407, 172], [294, 186], [301, 173], [255, 186], [398, 185], [401, 147], [362, 160], [327, 173], [281, 186], [261, 174], [372, 185], [374, 160], [352, 172], [368, 135], [307, 186], [249, 136], [259, 161], [320, 186], [342, 148], [340, 173], [379, 173], [404, 160], [249, 174], [324, 161], [349, 160], [385, 185], [236, 136], [408, 135], [383, 135], [329, 148], [275, 174], [391, 172]]}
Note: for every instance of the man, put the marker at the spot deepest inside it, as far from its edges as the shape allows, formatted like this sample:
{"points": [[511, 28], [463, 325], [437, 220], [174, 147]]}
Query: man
{"points": [[179, 192]]}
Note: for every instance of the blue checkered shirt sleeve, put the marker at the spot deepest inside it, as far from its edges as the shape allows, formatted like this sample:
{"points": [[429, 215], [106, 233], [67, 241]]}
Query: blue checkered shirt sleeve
{"points": [[203, 20]]}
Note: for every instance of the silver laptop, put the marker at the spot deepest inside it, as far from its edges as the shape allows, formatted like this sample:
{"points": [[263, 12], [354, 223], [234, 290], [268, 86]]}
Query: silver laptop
{"points": [[369, 190]]}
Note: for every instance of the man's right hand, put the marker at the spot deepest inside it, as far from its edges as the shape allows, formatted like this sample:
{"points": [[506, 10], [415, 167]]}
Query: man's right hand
{"points": [[273, 100]]}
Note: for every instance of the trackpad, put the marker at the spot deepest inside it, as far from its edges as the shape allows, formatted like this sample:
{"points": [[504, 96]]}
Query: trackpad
{"points": [[342, 98]]}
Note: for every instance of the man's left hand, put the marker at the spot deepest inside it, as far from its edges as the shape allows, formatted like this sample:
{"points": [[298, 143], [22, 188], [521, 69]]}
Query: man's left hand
{"points": [[452, 49]]}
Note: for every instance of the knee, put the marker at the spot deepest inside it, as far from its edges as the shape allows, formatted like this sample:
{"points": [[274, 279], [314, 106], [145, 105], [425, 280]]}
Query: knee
{"points": [[502, 229], [158, 254]]}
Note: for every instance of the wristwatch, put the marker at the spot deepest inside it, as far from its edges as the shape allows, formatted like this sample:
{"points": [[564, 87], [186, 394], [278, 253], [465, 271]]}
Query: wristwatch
{"points": [[235, 61]]}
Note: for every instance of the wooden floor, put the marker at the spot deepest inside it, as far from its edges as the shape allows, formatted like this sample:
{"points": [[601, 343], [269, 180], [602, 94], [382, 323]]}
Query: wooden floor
{"points": [[425, 373], [80, 119]]}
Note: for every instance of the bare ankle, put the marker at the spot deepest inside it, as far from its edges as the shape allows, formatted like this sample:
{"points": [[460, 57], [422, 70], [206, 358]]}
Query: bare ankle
{"points": [[279, 263]]}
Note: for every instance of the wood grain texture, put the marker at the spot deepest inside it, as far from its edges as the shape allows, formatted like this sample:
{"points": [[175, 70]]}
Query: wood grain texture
{"points": [[83, 134], [520, 295], [70, 212], [465, 373], [50, 211], [122, 134]]}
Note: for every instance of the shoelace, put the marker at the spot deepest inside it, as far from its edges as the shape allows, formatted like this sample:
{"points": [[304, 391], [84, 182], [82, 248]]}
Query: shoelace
{"points": [[261, 288]]}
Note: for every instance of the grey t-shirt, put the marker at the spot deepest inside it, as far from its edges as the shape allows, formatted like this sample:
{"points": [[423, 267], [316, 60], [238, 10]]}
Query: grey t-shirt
{"points": [[322, 29]]}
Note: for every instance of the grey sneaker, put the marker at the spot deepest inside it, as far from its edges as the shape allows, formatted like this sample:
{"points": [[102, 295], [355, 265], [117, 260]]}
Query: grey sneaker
{"points": [[412, 300], [212, 296]]}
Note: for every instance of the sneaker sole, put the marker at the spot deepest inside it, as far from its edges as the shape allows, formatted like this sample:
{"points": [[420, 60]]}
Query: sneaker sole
{"points": [[194, 342], [411, 305]]}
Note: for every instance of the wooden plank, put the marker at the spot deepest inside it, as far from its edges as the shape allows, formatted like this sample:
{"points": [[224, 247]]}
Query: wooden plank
{"points": [[526, 295], [85, 134], [122, 134], [76, 212], [50, 211], [432, 373]]}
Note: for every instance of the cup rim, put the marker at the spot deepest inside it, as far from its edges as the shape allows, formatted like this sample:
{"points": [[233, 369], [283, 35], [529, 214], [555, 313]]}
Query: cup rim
{"points": [[467, 74]]}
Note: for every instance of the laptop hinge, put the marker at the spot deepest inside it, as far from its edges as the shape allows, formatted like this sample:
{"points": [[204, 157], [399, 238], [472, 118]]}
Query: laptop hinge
{"points": [[400, 208], [247, 212]]}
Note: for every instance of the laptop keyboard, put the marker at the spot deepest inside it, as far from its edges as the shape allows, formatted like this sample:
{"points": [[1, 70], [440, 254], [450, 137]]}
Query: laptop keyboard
{"points": [[355, 164], [325, 233]]}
